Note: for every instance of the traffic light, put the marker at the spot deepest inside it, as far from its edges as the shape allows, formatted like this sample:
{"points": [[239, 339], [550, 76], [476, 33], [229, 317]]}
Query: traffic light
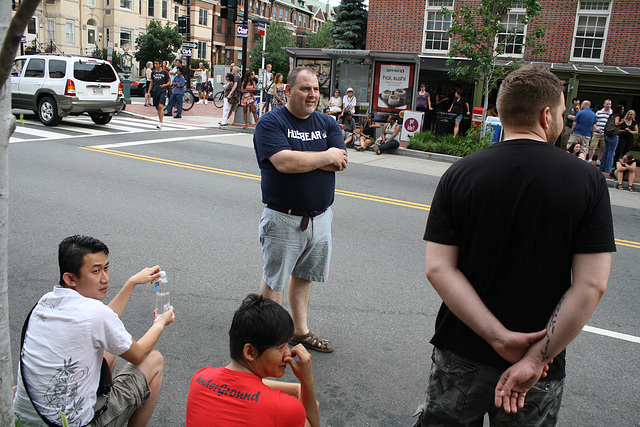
{"points": [[182, 24], [229, 9]]}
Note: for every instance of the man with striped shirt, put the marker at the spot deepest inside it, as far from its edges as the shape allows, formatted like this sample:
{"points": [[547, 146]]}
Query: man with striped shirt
{"points": [[597, 140]]}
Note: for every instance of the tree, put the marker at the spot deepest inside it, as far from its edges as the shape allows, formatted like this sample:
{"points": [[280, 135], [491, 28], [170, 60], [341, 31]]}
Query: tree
{"points": [[323, 38], [104, 54], [11, 31], [277, 38], [158, 42], [481, 36], [350, 26]]}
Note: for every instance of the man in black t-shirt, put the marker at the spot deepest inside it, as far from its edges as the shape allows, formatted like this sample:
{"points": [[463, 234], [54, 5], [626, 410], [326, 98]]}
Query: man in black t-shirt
{"points": [[298, 151], [160, 81], [518, 267]]}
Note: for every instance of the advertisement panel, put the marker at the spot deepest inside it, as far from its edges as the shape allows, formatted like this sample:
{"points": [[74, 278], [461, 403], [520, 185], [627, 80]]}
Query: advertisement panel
{"points": [[393, 87], [411, 123]]}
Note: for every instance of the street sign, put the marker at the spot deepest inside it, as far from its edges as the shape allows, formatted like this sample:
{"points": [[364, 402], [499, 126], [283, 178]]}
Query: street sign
{"points": [[242, 31], [23, 39], [192, 45], [187, 51], [262, 28]]}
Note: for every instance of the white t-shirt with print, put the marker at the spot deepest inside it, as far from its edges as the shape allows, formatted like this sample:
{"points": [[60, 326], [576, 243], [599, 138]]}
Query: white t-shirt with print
{"points": [[63, 350]]}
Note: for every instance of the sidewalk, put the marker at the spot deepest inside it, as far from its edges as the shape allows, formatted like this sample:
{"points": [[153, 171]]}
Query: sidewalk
{"points": [[209, 115]]}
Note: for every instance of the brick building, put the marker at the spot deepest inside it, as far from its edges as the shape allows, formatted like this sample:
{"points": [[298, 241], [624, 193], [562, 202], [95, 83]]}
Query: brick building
{"points": [[590, 44], [81, 27]]}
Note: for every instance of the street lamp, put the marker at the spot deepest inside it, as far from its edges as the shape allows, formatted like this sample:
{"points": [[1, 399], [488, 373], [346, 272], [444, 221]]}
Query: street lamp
{"points": [[126, 62]]}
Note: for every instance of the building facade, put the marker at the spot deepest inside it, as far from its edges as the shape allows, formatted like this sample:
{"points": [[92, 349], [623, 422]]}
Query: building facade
{"points": [[82, 26], [591, 44]]}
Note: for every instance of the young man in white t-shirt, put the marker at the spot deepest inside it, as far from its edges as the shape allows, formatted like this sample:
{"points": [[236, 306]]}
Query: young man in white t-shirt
{"points": [[69, 333]]}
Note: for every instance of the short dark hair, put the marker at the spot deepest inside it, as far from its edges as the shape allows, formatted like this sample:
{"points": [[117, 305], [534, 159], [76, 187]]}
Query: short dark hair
{"points": [[261, 322], [291, 79], [230, 76], [179, 69], [71, 252], [575, 99], [159, 61], [525, 92]]}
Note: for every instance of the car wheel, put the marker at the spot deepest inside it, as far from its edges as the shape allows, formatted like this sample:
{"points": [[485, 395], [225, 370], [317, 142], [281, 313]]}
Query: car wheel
{"points": [[48, 111], [100, 119]]}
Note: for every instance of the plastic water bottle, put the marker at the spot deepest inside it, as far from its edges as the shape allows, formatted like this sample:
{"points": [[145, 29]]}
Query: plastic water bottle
{"points": [[162, 294]]}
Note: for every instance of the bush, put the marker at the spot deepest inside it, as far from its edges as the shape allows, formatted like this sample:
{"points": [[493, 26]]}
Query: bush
{"points": [[448, 144]]}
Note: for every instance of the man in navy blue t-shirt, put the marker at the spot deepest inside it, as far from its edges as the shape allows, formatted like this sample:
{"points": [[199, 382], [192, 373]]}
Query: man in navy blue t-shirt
{"points": [[298, 151]]}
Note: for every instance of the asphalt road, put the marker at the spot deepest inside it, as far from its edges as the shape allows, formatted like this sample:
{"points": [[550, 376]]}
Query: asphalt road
{"points": [[189, 200]]}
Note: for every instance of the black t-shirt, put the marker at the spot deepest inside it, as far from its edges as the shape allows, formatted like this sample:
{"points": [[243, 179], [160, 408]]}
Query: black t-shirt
{"points": [[459, 106], [518, 210], [159, 78], [369, 131], [280, 130], [627, 137], [238, 80]]}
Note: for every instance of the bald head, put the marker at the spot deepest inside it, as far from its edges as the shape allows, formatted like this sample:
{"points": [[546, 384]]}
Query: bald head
{"points": [[585, 104]]}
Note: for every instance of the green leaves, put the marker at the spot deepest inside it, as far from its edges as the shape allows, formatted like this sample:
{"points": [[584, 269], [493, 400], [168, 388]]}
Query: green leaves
{"points": [[278, 37], [350, 26], [158, 42]]}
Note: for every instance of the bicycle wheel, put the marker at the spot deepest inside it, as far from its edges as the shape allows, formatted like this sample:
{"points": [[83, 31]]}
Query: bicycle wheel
{"points": [[218, 99], [187, 100]]}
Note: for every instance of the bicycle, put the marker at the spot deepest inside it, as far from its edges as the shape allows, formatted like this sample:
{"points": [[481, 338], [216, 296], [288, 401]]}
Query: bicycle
{"points": [[188, 100], [218, 99]]}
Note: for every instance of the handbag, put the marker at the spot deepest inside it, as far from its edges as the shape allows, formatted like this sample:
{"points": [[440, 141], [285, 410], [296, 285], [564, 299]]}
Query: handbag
{"points": [[104, 386], [610, 129]]}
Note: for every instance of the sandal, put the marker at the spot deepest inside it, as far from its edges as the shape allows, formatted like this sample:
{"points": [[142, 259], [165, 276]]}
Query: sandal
{"points": [[620, 187], [631, 189], [312, 341]]}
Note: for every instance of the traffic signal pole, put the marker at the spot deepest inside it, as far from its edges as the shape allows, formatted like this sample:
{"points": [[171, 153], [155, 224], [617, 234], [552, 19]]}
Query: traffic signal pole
{"points": [[187, 67], [245, 22]]}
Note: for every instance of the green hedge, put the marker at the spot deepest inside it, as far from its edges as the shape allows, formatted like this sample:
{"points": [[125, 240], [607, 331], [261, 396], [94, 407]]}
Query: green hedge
{"points": [[448, 144]]}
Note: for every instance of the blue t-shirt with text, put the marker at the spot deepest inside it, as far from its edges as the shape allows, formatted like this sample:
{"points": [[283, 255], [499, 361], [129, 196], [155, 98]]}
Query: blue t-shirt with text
{"points": [[280, 130]]}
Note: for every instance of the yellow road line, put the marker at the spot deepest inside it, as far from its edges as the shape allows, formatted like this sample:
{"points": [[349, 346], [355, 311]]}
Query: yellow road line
{"points": [[363, 196]]}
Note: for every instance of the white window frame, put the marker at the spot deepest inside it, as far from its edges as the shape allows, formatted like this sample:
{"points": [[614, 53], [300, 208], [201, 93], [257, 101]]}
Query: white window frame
{"points": [[123, 31], [91, 2], [165, 9], [203, 15], [50, 30], [511, 22], [202, 49], [126, 5], [591, 11], [69, 35], [441, 24]]}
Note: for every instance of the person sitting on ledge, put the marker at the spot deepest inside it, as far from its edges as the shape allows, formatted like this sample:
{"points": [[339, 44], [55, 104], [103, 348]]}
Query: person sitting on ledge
{"points": [[239, 394]]}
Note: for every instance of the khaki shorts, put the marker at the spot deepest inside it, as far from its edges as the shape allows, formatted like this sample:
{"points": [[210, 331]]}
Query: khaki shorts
{"points": [[597, 142], [583, 140], [129, 391]]}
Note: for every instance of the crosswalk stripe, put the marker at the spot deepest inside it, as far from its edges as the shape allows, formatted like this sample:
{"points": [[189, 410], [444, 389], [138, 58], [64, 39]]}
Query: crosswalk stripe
{"points": [[85, 127]]}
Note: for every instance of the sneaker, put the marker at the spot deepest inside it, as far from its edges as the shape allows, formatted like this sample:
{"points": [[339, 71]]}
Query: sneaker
{"points": [[376, 149], [168, 114], [597, 162], [206, 101], [159, 126], [200, 102], [177, 117]]}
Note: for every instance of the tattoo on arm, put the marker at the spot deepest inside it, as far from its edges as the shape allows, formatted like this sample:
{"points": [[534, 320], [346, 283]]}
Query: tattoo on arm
{"points": [[551, 328]]}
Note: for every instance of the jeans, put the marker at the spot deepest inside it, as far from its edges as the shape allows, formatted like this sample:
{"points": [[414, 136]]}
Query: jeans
{"points": [[177, 101], [610, 144], [391, 145], [460, 392], [267, 98]]}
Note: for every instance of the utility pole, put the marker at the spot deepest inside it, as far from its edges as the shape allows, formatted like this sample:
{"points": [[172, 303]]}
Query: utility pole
{"points": [[245, 22], [187, 64]]}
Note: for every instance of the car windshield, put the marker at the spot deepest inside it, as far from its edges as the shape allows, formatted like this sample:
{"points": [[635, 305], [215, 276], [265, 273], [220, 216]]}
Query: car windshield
{"points": [[94, 72]]}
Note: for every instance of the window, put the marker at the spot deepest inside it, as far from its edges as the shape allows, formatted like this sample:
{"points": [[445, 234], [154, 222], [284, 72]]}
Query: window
{"points": [[202, 49], [219, 25], [255, 32], [591, 30], [18, 66], [51, 30], [31, 26], [165, 6], [106, 3], [176, 13], [140, 7], [35, 68], [150, 7], [57, 68], [281, 13], [436, 26], [286, 15], [91, 2], [125, 4], [68, 31], [512, 36], [125, 38], [202, 16], [91, 35], [275, 12]]}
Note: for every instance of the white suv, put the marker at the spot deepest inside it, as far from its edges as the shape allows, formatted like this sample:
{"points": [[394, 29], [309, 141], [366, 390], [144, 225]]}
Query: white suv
{"points": [[55, 86]]}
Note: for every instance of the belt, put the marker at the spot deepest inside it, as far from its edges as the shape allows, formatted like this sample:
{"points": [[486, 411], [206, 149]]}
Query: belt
{"points": [[305, 215]]}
